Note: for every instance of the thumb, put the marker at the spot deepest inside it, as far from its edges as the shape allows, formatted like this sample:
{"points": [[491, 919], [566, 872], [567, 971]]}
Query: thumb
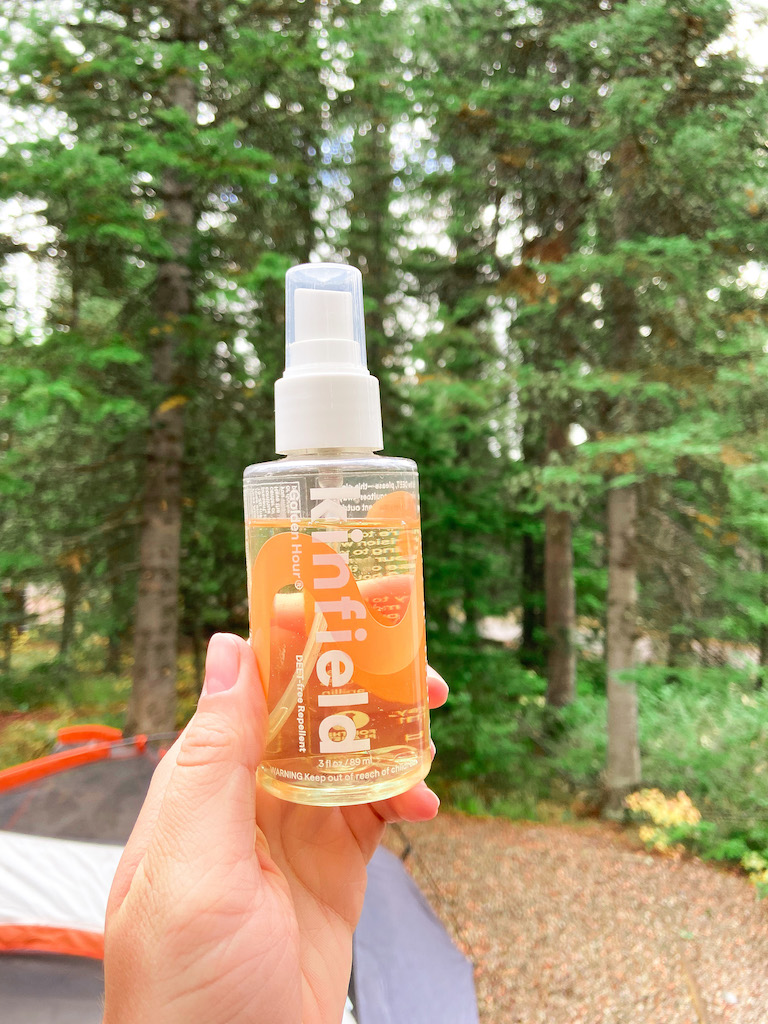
{"points": [[207, 808]]}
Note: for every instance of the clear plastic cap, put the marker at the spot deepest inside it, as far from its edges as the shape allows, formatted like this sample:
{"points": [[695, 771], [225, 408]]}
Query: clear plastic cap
{"points": [[324, 326]]}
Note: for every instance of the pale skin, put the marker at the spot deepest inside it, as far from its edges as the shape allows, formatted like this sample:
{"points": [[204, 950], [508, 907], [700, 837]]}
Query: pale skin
{"points": [[230, 906]]}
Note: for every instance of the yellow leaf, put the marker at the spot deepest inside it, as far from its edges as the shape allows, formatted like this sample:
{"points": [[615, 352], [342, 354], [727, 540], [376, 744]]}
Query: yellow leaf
{"points": [[171, 403], [624, 463], [707, 520], [516, 157], [731, 456], [729, 538]]}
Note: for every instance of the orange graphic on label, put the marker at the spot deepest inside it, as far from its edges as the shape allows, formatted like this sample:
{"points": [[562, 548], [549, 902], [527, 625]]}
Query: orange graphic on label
{"points": [[378, 624]]}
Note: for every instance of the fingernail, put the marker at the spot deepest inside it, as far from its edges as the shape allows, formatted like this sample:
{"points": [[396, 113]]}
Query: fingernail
{"points": [[432, 748], [222, 664]]}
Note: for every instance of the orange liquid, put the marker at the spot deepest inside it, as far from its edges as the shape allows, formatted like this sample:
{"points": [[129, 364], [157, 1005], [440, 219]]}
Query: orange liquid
{"points": [[377, 573]]}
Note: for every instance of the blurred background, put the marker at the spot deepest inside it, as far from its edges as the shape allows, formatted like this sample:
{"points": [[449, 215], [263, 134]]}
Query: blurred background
{"points": [[561, 216]]}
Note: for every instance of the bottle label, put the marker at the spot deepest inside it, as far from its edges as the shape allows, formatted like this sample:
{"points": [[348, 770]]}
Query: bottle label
{"points": [[280, 500], [337, 621]]}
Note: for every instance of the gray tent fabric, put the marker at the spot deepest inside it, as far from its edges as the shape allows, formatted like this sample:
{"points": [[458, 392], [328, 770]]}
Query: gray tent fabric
{"points": [[406, 969], [49, 989], [98, 802]]}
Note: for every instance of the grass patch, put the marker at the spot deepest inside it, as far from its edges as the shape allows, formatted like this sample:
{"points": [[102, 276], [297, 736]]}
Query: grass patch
{"points": [[43, 693], [23, 739], [707, 736]]}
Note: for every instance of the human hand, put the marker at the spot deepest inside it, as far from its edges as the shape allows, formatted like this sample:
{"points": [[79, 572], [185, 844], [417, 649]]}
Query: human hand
{"points": [[230, 906]]}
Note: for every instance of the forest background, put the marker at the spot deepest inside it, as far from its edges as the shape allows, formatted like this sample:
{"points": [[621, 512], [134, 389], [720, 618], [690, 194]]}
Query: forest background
{"points": [[561, 216]]}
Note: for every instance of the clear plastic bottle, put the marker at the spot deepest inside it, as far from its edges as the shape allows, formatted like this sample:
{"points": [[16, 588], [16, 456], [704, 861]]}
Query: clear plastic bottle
{"points": [[335, 579]]}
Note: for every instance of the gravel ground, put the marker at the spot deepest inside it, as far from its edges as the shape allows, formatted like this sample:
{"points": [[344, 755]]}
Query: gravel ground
{"points": [[572, 925]]}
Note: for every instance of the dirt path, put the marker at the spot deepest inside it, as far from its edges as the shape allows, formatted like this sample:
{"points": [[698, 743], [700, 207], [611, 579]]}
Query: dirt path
{"points": [[571, 925]]}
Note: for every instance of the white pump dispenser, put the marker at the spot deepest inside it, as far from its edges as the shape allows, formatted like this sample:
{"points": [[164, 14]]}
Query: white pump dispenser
{"points": [[326, 399]]}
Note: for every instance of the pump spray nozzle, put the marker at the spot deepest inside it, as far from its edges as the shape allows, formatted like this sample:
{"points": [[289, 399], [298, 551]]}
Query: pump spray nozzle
{"points": [[326, 398]]}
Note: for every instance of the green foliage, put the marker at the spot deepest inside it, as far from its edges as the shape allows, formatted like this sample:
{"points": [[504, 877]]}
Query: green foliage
{"points": [[704, 734], [37, 688], [41, 681], [559, 213], [41, 694], [27, 739], [77, 397]]}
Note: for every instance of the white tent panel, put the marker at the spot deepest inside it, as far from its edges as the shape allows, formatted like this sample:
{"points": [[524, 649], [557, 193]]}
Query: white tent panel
{"points": [[55, 883]]}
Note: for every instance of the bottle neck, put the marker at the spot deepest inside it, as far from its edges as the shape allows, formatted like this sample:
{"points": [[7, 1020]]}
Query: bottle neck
{"points": [[331, 453]]}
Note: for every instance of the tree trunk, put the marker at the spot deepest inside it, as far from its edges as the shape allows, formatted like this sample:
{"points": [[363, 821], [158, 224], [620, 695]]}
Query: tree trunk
{"points": [[678, 649], [623, 774], [559, 589], [70, 582], [623, 769], [153, 698], [7, 648], [112, 658], [116, 629], [763, 638], [532, 601], [12, 617], [198, 652], [561, 608]]}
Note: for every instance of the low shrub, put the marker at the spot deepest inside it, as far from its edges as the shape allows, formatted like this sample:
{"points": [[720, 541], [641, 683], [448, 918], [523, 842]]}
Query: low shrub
{"points": [[671, 825]]}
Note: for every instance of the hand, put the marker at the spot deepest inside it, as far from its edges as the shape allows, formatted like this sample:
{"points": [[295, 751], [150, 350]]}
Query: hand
{"points": [[230, 906]]}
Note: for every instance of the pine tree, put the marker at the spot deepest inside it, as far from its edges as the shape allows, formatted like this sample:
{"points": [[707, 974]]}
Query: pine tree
{"points": [[186, 167], [679, 130], [458, 398], [514, 136], [440, 388], [626, 149]]}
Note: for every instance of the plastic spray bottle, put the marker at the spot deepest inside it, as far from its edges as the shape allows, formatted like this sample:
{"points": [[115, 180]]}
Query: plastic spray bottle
{"points": [[335, 583]]}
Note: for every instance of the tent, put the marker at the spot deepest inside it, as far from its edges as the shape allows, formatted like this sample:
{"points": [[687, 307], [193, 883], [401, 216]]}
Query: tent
{"points": [[64, 820]]}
